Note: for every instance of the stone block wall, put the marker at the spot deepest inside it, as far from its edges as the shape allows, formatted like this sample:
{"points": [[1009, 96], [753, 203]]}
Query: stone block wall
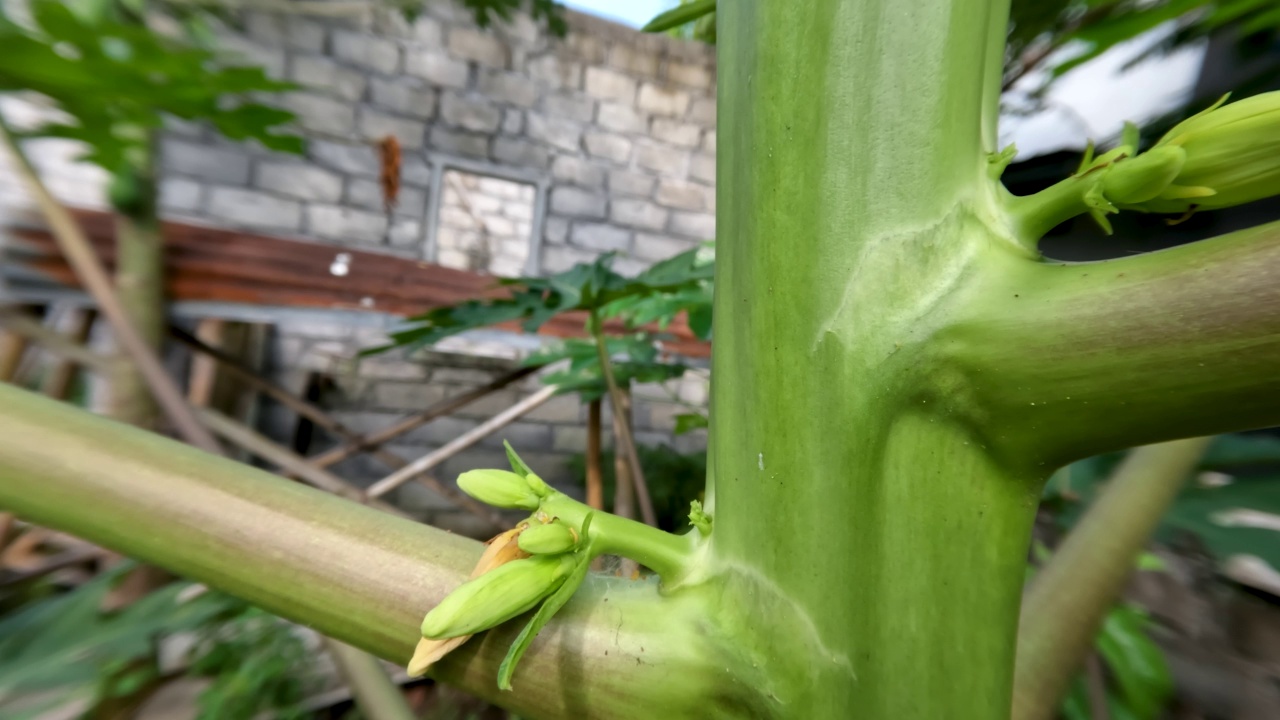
{"points": [[562, 148], [616, 130]]}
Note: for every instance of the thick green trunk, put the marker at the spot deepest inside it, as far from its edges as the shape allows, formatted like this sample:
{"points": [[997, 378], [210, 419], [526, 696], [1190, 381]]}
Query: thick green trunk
{"points": [[139, 282], [854, 488], [140, 288]]}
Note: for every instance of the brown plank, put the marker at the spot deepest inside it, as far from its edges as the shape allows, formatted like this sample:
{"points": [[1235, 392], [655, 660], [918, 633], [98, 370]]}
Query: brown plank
{"points": [[210, 264]]}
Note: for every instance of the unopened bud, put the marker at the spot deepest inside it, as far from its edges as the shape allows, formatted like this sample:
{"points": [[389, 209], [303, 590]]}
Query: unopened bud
{"points": [[538, 485], [499, 488], [497, 596], [550, 539], [699, 518], [1139, 179], [1232, 156]]}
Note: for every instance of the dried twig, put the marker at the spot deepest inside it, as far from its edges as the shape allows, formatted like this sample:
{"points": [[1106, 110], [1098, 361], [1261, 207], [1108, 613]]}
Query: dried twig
{"points": [[624, 439], [595, 481], [29, 329], [323, 419], [440, 409], [462, 442], [261, 446], [57, 379]]}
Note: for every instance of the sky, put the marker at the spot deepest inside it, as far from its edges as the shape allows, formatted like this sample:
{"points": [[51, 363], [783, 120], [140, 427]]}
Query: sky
{"points": [[629, 12], [1095, 100]]}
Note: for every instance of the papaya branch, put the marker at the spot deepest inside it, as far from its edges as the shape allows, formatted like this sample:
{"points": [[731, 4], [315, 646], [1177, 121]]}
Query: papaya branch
{"points": [[1066, 603], [353, 573], [1077, 359]]}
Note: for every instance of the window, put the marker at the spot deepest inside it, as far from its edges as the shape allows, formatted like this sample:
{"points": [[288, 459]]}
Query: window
{"points": [[484, 222]]}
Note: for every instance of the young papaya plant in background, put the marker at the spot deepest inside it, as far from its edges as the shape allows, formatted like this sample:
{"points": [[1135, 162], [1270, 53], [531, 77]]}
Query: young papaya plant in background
{"points": [[114, 82], [116, 79], [608, 363]]}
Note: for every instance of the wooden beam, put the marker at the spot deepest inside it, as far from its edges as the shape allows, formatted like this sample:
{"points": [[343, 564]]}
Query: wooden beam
{"points": [[323, 419], [31, 330], [58, 376], [436, 410], [280, 456], [462, 442]]}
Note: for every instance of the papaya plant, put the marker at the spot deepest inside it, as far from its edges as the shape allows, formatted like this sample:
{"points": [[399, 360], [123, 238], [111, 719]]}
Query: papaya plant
{"points": [[608, 362], [897, 372]]}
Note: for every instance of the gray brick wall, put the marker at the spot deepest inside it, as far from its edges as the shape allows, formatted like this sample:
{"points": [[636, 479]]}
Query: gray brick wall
{"points": [[619, 125], [615, 128]]}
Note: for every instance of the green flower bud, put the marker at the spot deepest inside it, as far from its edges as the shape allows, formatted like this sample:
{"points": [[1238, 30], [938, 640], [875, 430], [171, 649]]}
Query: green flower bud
{"points": [[537, 485], [699, 518], [1139, 179], [499, 488], [549, 539], [521, 468], [1232, 156], [497, 596]]}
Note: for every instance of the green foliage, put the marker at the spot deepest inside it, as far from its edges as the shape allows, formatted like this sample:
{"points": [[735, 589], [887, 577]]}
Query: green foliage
{"points": [[1038, 29], [1107, 23], [257, 663], [63, 648], [1140, 680], [657, 296], [1141, 675], [641, 364], [584, 287], [675, 480], [66, 644], [547, 11], [688, 422], [684, 13], [117, 80], [691, 18], [1250, 480]]}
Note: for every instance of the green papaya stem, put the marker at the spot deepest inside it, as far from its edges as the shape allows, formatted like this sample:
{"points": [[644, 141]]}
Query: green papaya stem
{"points": [[375, 694], [665, 553], [355, 574], [1033, 216], [1070, 596], [140, 288], [625, 438], [856, 221], [139, 280], [1078, 359]]}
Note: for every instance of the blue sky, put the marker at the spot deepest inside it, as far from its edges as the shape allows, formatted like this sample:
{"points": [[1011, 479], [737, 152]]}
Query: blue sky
{"points": [[630, 12]]}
